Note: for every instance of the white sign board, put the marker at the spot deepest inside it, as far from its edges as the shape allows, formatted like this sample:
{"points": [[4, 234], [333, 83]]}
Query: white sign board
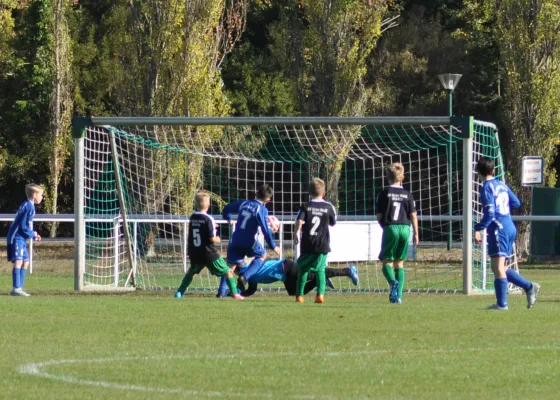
{"points": [[532, 172]]}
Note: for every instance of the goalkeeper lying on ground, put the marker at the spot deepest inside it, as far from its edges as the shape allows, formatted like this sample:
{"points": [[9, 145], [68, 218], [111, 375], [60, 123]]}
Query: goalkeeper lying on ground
{"points": [[286, 271]]}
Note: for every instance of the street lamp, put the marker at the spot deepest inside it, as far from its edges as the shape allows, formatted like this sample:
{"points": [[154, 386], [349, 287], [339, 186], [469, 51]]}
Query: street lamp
{"points": [[450, 82]]}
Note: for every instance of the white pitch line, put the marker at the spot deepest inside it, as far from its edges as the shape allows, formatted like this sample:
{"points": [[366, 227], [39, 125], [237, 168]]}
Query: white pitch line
{"points": [[38, 369]]}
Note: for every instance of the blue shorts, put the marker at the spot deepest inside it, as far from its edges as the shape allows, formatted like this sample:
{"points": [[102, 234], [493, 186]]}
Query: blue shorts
{"points": [[500, 241], [18, 251], [236, 255]]}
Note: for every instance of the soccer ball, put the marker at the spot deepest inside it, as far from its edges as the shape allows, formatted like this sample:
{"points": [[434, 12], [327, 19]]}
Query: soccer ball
{"points": [[273, 223]]}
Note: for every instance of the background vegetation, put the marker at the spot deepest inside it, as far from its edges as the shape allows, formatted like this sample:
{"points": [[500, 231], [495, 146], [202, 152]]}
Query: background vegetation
{"points": [[60, 58]]}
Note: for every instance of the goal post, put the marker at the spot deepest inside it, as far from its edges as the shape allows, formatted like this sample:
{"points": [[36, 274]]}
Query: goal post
{"points": [[135, 180]]}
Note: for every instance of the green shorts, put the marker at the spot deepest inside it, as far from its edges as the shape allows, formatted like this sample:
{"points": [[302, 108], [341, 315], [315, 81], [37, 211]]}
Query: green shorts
{"points": [[217, 268], [394, 244], [312, 262]]}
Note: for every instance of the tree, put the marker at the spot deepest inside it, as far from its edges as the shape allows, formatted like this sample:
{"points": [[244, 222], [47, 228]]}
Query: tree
{"points": [[528, 36]]}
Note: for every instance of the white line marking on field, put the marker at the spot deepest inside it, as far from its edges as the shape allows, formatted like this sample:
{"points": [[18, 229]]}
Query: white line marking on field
{"points": [[38, 369]]}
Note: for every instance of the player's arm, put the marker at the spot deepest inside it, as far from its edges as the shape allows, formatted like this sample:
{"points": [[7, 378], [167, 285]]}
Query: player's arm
{"points": [[514, 201], [413, 215], [261, 219], [26, 224], [213, 237], [380, 207], [299, 223], [332, 216], [230, 209], [489, 211]]}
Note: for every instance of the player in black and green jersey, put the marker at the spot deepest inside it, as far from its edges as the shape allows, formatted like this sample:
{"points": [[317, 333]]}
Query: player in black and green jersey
{"points": [[315, 217], [202, 252], [395, 211]]}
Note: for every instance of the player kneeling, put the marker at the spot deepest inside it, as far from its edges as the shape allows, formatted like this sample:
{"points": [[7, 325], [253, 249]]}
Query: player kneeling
{"points": [[202, 252]]}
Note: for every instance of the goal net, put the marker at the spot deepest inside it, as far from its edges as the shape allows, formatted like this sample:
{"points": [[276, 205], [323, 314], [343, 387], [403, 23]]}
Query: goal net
{"points": [[136, 181]]}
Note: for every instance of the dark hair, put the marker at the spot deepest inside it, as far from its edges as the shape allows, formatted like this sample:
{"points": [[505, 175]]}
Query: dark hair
{"points": [[485, 166], [264, 192]]}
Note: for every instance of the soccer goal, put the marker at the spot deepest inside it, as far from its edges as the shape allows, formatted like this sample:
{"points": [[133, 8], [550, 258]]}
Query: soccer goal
{"points": [[136, 179]]}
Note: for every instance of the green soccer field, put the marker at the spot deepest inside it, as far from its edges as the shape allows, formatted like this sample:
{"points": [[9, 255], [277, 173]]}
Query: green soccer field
{"points": [[56, 345]]}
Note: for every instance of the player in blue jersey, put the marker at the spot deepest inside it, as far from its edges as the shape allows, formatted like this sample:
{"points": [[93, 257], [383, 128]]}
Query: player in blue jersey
{"points": [[21, 230], [497, 199], [251, 219], [286, 271]]}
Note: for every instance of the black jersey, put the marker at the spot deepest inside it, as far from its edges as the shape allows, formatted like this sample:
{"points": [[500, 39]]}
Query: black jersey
{"points": [[201, 229], [395, 204], [317, 215]]}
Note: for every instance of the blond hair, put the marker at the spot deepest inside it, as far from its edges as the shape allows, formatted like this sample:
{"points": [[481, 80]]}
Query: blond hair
{"points": [[317, 187], [202, 200], [32, 188], [395, 173]]}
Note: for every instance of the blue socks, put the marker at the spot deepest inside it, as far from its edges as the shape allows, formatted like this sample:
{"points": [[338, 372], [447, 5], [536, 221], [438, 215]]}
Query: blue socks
{"points": [[253, 268], [16, 277], [22, 274], [501, 287], [514, 277]]}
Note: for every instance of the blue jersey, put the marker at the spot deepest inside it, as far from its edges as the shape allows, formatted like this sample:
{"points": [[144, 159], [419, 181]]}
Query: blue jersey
{"points": [[22, 227], [251, 219], [271, 271], [497, 199]]}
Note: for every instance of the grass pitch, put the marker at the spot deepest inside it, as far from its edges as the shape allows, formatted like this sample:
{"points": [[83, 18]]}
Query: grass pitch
{"points": [[58, 345]]}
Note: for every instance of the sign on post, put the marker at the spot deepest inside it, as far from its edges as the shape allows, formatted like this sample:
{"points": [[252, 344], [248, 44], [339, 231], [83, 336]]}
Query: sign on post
{"points": [[532, 171]]}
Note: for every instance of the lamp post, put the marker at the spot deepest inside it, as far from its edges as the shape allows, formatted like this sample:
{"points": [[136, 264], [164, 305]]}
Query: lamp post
{"points": [[450, 82]]}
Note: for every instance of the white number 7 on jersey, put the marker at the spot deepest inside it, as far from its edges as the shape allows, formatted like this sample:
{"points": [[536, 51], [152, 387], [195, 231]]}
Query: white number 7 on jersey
{"points": [[397, 211]]}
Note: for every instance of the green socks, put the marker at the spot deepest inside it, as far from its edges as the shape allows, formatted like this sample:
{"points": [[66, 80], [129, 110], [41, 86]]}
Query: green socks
{"points": [[400, 278], [231, 285], [321, 282], [388, 273], [185, 283]]}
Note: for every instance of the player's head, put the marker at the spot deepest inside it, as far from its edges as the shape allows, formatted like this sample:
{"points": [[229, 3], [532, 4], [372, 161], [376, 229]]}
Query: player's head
{"points": [[202, 201], [34, 193], [317, 188], [395, 173], [485, 167], [264, 193]]}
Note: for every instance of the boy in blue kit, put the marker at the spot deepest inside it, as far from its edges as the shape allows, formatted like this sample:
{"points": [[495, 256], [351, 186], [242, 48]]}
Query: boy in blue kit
{"points": [[21, 230], [251, 218], [497, 199]]}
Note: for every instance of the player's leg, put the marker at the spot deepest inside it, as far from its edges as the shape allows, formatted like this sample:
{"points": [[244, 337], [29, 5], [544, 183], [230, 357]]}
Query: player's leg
{"points": [[259, 253], [16, 276], [187, 280], [351, 272], [235, 258], [318, 267], [500, 283], [310, 284], [400, 277], [22, 276], [220, 268], [19, 256], [498, 257], [531, 289], [401, 253], [304, 263], [388, 246]]}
